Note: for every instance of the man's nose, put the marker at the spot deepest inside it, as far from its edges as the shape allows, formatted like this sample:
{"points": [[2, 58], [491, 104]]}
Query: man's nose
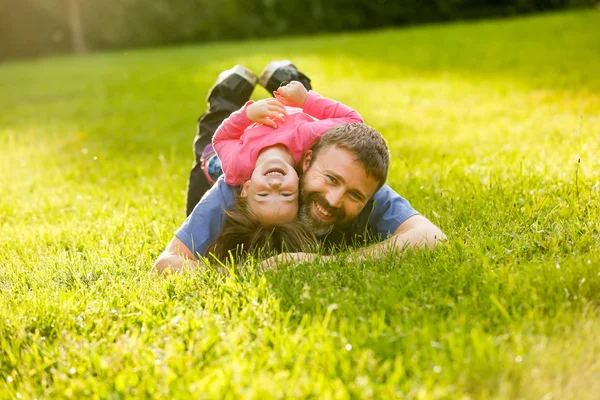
{"points": [[335, 198]]}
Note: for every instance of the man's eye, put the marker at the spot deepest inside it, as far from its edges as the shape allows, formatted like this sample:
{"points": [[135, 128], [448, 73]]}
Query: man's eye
{"points": [[354, 195], [332, 179]]}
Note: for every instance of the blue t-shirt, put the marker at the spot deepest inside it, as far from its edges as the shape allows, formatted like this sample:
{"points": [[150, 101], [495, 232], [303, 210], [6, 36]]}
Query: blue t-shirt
{"points": [[378, 220]]}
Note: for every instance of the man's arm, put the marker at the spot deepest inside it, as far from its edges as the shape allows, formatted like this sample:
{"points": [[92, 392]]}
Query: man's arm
{"points": [[176, 257], [391, 217], [417, 232], [198, 231]]}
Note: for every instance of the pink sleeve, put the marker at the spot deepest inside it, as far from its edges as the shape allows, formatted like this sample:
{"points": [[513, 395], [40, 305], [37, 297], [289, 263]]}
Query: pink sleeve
{"points": [[323, 108], [329, 113], [227, 144]]}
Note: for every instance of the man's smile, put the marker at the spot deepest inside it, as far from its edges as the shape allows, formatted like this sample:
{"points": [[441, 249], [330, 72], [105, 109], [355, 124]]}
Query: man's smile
{"points": [[321, 212]]}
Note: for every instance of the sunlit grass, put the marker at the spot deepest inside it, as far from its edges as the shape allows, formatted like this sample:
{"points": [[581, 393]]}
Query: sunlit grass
{"points": [[494, 129]]}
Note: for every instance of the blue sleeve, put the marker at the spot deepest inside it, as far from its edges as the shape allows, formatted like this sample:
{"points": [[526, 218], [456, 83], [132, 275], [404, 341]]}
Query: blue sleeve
{"points": [[204, 224], [389, 211]]}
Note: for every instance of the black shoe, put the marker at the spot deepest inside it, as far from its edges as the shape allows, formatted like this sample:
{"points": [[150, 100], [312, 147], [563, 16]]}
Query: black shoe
{"points": [[281, 71], [235, 84]]}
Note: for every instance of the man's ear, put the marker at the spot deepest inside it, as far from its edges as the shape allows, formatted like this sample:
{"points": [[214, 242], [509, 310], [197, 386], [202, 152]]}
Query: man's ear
{"points": [[245, 186], [306, 160]]}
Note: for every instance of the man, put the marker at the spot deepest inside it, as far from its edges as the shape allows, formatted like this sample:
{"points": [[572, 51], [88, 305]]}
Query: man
{"points": [[343, 196]]}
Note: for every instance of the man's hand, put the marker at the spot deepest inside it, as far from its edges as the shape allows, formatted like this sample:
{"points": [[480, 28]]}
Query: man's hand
{"points": [[266, 112], [292, 95], [296, 258]]}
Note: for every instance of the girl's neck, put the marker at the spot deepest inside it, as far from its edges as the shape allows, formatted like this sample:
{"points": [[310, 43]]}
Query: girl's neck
{"points": [[278, 150]]}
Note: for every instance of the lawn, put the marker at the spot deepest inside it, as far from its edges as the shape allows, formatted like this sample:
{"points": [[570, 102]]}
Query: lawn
{"points": [[494, 129]]}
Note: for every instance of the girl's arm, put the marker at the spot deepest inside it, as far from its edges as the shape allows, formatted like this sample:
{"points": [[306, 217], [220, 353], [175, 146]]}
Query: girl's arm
{"points": [[227, 143], [295, 94], [228, 134], [226, 139], [323, 108], [329, 113]]}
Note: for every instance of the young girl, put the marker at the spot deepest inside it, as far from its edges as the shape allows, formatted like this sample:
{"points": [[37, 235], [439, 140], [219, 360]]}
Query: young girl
{"points": [[259, 147]]}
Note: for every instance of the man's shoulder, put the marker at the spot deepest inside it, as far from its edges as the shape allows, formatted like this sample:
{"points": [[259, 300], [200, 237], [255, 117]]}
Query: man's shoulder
{"points": [[385, 193], [380, 201], [380, 217], [224, 193], [389, 204]]}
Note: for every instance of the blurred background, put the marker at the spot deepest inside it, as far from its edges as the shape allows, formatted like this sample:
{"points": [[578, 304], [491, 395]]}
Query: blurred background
{"points": [[33, 28]]}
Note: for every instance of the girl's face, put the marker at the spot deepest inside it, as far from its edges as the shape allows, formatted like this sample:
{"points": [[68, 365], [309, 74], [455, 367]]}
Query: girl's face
{"points": [[272, 192]]}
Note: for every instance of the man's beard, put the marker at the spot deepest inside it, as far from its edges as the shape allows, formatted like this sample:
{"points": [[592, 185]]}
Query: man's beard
{"points": [[319, 227]]}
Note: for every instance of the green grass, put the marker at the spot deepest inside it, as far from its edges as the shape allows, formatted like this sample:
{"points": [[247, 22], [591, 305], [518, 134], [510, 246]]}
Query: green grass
{"points": [[494, 129]]}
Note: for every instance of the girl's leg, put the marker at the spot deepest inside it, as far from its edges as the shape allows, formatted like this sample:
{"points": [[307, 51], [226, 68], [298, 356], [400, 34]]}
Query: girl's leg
{"points": [[231, 91]]}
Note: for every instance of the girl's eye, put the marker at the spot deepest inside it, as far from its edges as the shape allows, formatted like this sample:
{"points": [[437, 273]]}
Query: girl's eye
{"points": [[286, 194], [263, 194]]}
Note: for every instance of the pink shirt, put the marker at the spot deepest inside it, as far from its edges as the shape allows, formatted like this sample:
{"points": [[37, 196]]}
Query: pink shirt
{"points": [[238, 141]]}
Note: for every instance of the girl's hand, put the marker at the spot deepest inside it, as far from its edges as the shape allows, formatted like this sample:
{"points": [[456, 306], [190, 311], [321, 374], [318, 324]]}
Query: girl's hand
{"points": [[266, 112], [292, 95]]}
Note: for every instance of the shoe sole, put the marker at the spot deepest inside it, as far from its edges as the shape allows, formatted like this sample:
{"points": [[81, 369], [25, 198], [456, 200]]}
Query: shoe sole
{"points": [[240, 71], [270, 69]]}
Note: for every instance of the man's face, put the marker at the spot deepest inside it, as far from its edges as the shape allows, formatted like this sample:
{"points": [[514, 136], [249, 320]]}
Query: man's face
{"points": [[334, 188]]}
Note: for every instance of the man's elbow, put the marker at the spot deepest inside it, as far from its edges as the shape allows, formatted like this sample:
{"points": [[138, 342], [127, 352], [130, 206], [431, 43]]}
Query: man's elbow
{"points": [[434, 237], [166, 263], [174, 258], [423, 237]]}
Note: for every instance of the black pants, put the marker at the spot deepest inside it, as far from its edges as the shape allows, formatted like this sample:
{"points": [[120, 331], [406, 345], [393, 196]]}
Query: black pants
{"points": [[207, 125]]}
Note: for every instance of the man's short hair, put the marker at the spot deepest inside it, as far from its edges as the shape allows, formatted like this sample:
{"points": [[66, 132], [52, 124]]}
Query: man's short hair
{"points": [[365, 142]]}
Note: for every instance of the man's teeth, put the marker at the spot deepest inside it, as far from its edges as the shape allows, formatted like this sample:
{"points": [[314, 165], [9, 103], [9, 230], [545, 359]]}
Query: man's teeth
{"points": [[322, 210], [275, 173]]}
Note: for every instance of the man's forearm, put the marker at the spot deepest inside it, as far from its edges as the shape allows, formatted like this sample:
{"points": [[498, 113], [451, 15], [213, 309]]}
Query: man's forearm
{"points": [[414, 238], [296, 258]]}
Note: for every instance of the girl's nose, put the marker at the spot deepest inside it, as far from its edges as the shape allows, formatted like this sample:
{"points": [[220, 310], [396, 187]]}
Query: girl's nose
{"points": [[275, 183]]}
